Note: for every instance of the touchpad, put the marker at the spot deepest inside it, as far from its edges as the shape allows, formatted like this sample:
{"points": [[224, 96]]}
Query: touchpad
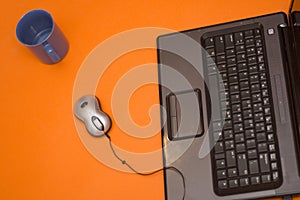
{"points": [[185, 116]]}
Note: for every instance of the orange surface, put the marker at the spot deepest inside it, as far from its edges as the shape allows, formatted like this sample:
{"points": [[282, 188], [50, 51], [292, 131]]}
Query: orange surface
{"points": [[42, 156]]}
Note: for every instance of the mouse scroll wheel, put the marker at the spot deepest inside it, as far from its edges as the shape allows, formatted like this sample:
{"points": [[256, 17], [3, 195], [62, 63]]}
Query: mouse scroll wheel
{"points": [[97, 123]]}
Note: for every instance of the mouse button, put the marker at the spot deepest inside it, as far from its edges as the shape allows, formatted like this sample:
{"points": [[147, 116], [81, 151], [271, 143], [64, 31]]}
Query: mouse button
{"points": [[97, 123]]}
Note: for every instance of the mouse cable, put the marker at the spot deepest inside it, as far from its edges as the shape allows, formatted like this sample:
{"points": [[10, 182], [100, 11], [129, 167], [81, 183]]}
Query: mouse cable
{"points": [[150, 173]]}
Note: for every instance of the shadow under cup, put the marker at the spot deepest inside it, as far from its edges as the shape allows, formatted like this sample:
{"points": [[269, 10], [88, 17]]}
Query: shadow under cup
{"points": [[38, 31]]}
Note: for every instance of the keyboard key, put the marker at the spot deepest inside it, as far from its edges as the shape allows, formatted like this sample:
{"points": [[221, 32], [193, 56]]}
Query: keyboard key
{"points": [[251, 51], [249, 34], [245, 94], [261, 137], [232, 71], [236, 108], [214, 95], [272, 148], [230, 53], [257, 107], [222, 184], [243, 76], [258, 43], [268, 119], [252, 154], [253, 69], [259, 50], [255, 88], [248, 123], [218, 135], [241, 58], [270, 137], [256, 98], [274, 166], [273, 157], [231, 62], [227, 125], [260, 59], [219, 156], [219, 147], [250, 42], [266, 178], [262, 147], [249, 134], [217, 126], [233, 80], [242, 67], [238, 128], [221, 174], [240, 148], [246, 104], [242, 164], [261, 67], [232, 172], [247, 114], [222, 68], [264, 162], [210, 52], [237, 118], [244, 182], [233, 183], [230, 159], [257, 33], [263, 76], [209, 42], [239, 38], [239, 138], [229, 144], [263, 85], [221, 59], [235, 98], [240, 49], [254, 79], [269, 128], [275, 176], [255, 180], [234, 89], [253, 167], [267, 111], [244, 85], [220, 164], [252, 60], [228, 134], [251, 144], [219, 42], [258, 117], [266, 101], [259, 127], [229, 41]]}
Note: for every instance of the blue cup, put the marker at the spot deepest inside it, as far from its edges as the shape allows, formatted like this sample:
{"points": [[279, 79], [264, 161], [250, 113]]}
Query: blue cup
{"points": [[38, 31]]}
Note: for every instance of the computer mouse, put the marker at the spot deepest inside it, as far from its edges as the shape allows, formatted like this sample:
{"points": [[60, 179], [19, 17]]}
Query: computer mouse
{"points": [[88, 110]]}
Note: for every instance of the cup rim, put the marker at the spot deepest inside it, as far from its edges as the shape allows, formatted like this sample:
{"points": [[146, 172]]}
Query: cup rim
{"points": [[27, 14]]}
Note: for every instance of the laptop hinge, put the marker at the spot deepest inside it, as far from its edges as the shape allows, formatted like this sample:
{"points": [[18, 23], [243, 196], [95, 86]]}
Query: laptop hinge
{"points": [[293, 77]]}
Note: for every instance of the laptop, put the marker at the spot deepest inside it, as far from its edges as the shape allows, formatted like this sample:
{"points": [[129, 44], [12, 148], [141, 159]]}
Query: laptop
{"points": [[230, 109]]}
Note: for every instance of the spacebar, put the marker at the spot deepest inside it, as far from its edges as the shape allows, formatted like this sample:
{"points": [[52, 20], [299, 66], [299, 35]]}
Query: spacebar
{"points": [[214, 96]]}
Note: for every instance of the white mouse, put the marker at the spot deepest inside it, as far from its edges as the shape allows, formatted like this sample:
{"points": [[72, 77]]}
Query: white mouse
{"points": [[88, 110]]}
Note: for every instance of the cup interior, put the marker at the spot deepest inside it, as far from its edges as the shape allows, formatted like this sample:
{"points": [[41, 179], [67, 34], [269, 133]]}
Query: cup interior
{"points": [[34, 27]]}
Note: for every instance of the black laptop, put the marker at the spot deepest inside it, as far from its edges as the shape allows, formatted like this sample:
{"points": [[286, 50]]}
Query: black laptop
{"points": [[230, 96]]}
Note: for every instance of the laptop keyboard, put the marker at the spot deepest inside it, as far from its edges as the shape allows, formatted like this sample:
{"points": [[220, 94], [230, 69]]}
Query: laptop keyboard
{"points": [[245, 156]]}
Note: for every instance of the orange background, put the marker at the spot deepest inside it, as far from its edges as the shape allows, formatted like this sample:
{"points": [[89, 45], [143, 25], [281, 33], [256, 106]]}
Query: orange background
{"points": [[41, 154]]}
